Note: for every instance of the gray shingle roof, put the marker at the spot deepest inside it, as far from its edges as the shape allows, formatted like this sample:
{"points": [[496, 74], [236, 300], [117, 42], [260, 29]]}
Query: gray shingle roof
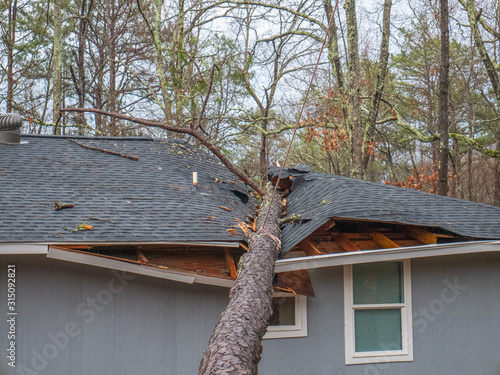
{"points": [[320, 197], [149, 200]]}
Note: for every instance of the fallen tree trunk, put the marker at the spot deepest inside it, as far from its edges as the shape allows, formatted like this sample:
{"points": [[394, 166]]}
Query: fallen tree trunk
{"points": [[235, 345]]}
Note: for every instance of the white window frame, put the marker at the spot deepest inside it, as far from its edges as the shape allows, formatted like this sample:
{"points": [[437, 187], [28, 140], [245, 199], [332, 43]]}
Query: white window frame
{"points": [[299, 329], [404, 355]]}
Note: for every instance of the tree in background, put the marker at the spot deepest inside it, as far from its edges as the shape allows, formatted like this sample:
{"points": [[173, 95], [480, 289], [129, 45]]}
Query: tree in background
{"points": [[57, 68], [204, 70], [371, 114], [477, 21], [444, 88]]}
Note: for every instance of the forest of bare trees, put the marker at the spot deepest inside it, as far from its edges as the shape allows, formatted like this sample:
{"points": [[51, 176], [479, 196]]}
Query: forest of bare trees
{"points": [[401, 92], [406, 93]]}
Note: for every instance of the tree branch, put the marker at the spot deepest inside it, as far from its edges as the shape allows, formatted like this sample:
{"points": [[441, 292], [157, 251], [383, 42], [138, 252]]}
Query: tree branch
{"points": [[435, 137], [292, 32], [200, 137], [197, 125]]}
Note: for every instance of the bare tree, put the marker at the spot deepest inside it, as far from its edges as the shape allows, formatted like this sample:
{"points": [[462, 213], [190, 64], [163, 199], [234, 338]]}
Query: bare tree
{"points": [[79, 57], [444, 87], [492, 68], [10, 39]]}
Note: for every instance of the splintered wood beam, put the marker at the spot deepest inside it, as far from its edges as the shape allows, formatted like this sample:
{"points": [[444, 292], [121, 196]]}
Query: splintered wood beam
{"points": [[308, 248], [423, 235], [326, 227], [231, 264], [140, 257], [384, 241], [70, 247], [297, 282], [345, 243]]}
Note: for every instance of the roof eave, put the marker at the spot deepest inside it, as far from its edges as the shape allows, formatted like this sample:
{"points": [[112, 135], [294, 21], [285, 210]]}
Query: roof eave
{"points": [[401, 253], [35, 247], [23, 248]]}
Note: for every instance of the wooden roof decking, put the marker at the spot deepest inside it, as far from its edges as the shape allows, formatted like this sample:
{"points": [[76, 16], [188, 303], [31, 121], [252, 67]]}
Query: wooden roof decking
{"points": [[209, 261], [336, 236], [342, 235]]}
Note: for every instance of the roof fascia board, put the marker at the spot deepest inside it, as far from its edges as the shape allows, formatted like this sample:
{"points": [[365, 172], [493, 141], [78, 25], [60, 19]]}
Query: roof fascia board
{"points": [[208, 280], [370, 256], [21, 248], [185, 243], [92, 260]]}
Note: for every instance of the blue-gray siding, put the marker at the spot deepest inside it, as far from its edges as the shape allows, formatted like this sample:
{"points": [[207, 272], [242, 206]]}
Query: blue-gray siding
{"points": [[449, 338], [153, 326], [150, 327]]}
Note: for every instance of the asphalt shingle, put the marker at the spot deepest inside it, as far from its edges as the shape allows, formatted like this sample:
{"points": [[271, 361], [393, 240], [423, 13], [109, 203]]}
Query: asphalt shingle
{"points": [[148, 200], [322, 196]]}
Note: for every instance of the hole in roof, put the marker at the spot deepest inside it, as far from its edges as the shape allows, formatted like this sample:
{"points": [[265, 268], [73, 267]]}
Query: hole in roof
{"points": [[242, 196]]}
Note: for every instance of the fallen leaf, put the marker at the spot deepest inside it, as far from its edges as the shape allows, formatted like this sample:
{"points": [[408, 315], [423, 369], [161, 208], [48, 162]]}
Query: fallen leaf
{"points": [[85, 227]]}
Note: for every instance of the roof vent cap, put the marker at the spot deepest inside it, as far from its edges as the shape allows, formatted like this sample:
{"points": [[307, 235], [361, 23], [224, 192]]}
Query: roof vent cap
{"points": [[10, 128]]}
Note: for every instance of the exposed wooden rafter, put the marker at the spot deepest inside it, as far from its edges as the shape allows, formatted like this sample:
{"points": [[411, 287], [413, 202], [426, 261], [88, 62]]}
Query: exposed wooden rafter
{"points": [[326, 227], [384, 241], [307, 247], [346, 244], [423, 236], [140, 257], [231, 264]]}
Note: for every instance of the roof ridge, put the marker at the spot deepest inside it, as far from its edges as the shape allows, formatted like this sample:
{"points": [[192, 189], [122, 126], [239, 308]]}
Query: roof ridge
{"points": [[114, 138]]}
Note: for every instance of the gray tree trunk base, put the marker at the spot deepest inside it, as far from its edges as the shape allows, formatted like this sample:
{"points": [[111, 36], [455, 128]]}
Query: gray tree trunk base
{"points": [[235, 345]]}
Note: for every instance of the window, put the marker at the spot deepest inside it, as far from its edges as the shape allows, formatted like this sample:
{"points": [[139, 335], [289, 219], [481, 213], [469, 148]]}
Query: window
{"points": [[289, 316], [378, 320]]}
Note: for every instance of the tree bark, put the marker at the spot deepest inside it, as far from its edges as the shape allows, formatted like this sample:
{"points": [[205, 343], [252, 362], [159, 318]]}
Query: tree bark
{"points": [[383, 61], [235, 345], [470, 7], [332, 44], [112, 65], [155, 31], [493, 75], [354, 89], [444, 88], [80, 60], [57, 90], [11, 40], [178, 65]]}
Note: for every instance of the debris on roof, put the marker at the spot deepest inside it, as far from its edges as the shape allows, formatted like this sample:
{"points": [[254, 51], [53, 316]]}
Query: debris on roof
{"points": [[149, 200], [59, 206], [104, 150]]}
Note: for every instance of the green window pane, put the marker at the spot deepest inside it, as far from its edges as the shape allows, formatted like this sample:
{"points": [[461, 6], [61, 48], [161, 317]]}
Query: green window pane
{"points": [[380, 282], [283, 311], [378, 330]]}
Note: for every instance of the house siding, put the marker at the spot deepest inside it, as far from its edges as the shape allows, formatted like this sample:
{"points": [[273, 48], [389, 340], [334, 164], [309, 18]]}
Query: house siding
{"points": [[451, 336], [153, 326]]}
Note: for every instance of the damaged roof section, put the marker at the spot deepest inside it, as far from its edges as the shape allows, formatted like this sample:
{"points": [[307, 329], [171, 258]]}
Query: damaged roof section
{"points": [[138, 190], [212, 265], [315, 198]]}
